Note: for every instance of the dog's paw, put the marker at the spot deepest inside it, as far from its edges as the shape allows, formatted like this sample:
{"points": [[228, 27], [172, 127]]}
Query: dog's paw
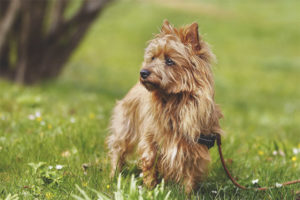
{"points": [[149, 181], [112, 174]]}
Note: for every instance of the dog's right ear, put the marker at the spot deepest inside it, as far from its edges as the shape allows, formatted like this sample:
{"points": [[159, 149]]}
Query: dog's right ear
{"points": [[192, 36], [166, 27]]}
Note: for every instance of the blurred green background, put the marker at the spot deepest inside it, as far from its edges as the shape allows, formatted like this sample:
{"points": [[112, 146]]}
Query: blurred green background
{"points": [[257, 76]]}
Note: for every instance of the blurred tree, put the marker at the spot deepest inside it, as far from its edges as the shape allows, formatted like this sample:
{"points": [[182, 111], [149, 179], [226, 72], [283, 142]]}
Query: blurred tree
{"points": [[37, 37]]}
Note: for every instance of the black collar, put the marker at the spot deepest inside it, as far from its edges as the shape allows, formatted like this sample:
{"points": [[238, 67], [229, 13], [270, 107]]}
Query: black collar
{"points": [[208, 140]]}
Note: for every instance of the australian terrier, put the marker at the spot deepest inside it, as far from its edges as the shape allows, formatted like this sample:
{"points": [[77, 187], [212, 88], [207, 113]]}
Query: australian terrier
{"points": [[162, 116]]}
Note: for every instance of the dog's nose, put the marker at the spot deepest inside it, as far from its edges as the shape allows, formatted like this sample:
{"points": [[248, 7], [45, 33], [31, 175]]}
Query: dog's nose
{"points": [[144, 73]]}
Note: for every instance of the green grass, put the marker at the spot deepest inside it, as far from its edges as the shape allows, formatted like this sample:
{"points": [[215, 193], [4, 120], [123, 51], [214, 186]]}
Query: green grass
{"points": [[257, 44]]}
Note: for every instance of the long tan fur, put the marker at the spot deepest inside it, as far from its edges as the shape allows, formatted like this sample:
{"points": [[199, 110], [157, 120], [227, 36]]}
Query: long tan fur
{"points": [[163, 115]]}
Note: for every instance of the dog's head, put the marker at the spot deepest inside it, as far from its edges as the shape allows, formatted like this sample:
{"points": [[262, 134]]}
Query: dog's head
{"points": [[177, 60]]}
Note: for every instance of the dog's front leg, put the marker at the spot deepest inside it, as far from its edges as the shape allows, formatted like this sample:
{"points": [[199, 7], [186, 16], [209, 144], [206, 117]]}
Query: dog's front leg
{"points": [[148, 160]]}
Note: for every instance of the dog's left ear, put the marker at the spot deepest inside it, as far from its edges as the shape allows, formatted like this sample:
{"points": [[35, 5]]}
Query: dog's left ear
{"points": [[192, 36]]}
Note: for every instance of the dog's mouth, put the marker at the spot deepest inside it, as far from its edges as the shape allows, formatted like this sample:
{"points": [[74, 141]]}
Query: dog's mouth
{"points": [[150, 86]]}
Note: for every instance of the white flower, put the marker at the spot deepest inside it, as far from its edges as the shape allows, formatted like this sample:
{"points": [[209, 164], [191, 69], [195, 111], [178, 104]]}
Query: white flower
{"points": [[278, 185], [255, 181], [38, 114], [214, 192], [38, 99], [50, 167], [58, 167], [275, 153], [281, 153], [72, 120], [74, 150], [43, 123], [31, 117], [141, 174], [296, 151]]}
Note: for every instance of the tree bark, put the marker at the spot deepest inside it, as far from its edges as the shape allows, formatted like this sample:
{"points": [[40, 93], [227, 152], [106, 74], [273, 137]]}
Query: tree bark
{"points": [[8, 21], [41, 45]]}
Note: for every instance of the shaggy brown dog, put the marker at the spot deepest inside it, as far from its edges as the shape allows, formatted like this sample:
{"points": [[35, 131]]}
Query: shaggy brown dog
{"points": [[163, 115]]}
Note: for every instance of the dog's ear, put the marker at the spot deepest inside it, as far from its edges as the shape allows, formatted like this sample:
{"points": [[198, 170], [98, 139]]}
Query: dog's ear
{"points": [[201, 49], [166, 27], [192, 36]]}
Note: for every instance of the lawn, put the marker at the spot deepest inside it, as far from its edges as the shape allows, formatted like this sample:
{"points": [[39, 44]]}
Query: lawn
{"points": [[52, 135]]}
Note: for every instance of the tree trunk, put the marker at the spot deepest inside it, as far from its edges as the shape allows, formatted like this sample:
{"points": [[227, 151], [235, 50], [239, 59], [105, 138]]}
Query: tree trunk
{"points": [[36, 40]]}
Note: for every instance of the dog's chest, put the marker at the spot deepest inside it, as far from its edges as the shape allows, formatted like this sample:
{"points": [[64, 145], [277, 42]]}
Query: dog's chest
{"points": [[181, 116]]}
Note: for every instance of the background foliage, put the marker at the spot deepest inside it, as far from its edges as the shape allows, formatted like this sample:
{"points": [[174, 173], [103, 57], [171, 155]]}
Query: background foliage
{"points": [[63, 123]]}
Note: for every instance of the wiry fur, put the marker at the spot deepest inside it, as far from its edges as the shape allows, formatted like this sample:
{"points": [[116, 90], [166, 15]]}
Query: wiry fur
{"points": [[164, 115]]}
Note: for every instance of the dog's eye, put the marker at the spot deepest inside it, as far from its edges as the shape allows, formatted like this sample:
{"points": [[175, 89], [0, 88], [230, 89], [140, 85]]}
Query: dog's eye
{"points": [[153, 58], [169, 61]]}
